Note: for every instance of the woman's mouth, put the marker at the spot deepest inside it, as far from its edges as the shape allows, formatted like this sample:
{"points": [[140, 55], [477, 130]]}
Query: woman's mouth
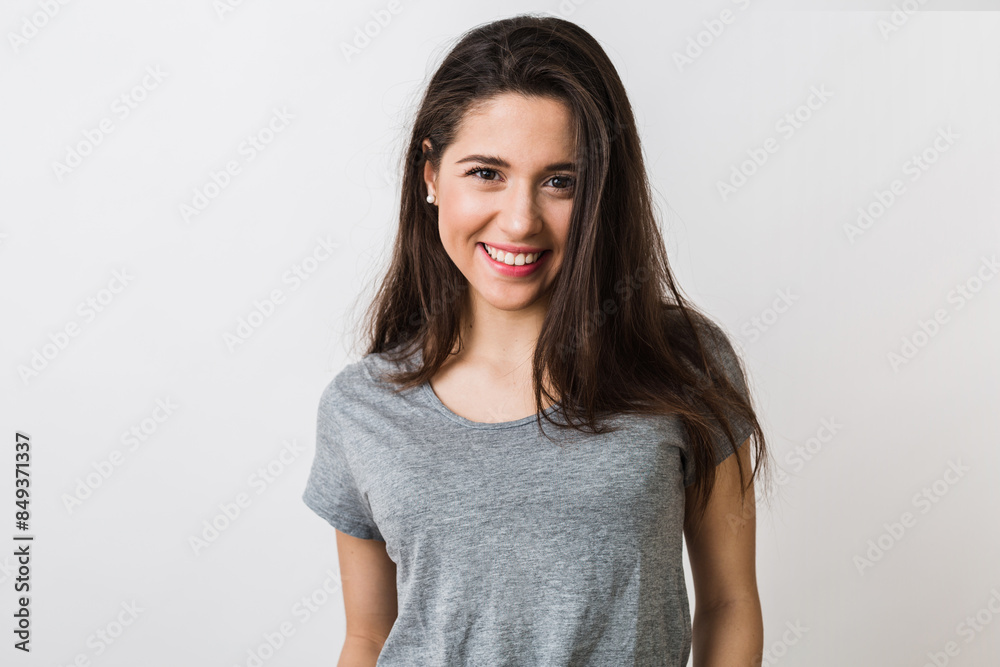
{"points": [[514, 264], [512, 258]]}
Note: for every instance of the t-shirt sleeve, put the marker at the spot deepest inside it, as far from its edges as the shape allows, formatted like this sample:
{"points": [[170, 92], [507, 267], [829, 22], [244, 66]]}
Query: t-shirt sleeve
{"points": [[331, 490], [721, 348]]}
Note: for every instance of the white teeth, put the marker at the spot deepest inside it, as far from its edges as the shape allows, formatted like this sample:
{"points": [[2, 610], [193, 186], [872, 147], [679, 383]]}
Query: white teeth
{"points": [[510, 258]]}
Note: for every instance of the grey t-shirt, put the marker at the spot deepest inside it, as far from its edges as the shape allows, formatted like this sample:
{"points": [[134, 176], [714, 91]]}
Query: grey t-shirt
{"points": [[509, 550]]}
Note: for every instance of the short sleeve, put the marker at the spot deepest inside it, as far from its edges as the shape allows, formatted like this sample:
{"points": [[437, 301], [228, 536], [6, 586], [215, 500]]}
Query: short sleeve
{"points": [[331, 490], [719, 346]]}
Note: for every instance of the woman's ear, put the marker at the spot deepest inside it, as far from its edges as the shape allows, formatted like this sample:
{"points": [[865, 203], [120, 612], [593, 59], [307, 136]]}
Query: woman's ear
{"points": [[430, 176]]}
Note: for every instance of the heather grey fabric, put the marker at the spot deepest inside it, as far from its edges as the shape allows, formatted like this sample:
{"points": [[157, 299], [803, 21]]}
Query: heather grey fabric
{"points": [[509, 550]]}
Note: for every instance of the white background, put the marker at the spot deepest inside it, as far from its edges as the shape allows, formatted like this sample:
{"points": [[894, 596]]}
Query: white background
{"points": [[330, 173]]}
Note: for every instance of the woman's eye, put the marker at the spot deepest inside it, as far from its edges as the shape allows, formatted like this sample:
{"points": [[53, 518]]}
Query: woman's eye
{"points": [[477, 170], [568, 182]]}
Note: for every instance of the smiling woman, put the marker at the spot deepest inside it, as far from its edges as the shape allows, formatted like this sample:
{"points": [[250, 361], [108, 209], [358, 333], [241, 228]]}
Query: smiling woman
{"points": [[494, 229], [529, 282]]}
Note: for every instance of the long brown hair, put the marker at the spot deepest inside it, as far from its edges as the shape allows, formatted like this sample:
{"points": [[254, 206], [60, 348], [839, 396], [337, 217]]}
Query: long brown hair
{"points": [[618, 336]]}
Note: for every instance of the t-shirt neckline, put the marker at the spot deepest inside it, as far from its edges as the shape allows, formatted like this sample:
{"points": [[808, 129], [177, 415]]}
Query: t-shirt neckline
{"points": [[436, 402]]}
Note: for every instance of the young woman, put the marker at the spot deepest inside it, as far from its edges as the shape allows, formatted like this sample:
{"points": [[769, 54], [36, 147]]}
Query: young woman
{"points": [[529, 282]]}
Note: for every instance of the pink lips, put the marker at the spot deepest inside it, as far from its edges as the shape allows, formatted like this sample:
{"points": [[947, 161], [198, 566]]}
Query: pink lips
{"points": [[510, 269]]}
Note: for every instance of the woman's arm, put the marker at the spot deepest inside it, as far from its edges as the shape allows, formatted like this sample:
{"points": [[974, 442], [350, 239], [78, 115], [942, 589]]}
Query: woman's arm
{"points": [[368, 581], [727, 628]]}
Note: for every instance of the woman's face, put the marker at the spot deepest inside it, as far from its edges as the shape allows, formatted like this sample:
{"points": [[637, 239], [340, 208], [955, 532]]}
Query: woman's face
{"points": [[507, 182]]}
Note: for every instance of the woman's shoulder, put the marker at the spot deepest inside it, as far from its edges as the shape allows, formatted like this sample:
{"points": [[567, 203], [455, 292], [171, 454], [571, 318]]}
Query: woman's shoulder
{"points": [[362, 379], [718, 344], [674, 316], [708, 330]]}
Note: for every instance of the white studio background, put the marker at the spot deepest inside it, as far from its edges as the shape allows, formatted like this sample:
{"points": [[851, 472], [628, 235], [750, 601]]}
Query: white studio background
{"points": [[871, 341]]}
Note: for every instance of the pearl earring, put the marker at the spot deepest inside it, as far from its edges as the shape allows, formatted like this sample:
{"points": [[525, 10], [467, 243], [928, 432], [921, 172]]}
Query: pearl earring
{"points": [[431, 199]]}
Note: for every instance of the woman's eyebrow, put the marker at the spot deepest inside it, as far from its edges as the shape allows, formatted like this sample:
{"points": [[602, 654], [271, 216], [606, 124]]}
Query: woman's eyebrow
{"points": [[495, 161]]}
